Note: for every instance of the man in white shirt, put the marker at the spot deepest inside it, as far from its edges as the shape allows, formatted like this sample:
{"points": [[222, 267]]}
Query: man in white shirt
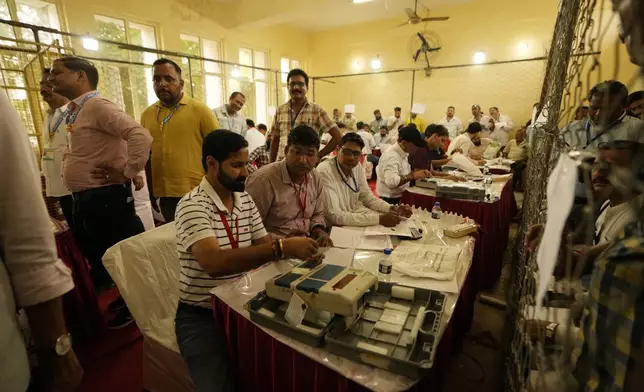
{"points": [[481, 118], [394, 123], [337, 116], [349, 200], [31, 275], [229, 115], [369, 145], [220, 236], [378, 122], [463, 143], [394, 170], [452, 123], [254, 137], [382, 137], [55, 140], [502, 126]]}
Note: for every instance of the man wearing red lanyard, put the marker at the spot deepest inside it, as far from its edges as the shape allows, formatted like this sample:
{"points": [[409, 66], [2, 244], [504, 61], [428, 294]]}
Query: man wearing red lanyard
{"points": [[220, 236], [299, 111], [288, 193], [106, 151]]}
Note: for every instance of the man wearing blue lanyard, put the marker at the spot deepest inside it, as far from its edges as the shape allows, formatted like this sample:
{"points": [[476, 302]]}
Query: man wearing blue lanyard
{"points": [[349, 200], [55, 140], [229, 115]]}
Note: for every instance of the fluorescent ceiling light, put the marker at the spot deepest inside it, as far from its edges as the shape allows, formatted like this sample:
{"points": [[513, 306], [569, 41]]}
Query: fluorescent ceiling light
{"points": [[376, 64], [356, 65], [90, 44], [361, 1], [235, 72], [479, 57]]}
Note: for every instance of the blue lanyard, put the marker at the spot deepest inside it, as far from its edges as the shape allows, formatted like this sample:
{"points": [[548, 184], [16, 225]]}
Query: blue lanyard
{"points": [[355, 183], [71, 118], [63, 115], [290, 114], [168, 117]]}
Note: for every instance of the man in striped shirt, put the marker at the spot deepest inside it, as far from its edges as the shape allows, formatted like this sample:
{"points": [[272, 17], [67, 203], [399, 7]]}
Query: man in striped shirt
{"points": [[220, 236]]}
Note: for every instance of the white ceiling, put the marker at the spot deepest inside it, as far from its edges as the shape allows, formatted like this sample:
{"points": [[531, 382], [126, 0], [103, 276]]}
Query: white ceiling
{"points": [[308, 14]]}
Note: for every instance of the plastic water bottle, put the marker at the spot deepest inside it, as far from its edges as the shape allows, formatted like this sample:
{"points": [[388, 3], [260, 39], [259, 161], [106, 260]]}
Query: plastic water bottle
{"points": [[487, 177], [436, 211], [384, 267]]}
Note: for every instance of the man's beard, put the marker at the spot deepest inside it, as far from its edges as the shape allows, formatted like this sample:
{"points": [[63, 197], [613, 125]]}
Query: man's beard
{"points": [[477, 143], [232, 184]]}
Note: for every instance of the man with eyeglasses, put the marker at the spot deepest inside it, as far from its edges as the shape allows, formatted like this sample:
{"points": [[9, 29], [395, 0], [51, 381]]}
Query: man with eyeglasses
{"points": [[349, 200], [299, 111], [178, 125], [288, 193]]}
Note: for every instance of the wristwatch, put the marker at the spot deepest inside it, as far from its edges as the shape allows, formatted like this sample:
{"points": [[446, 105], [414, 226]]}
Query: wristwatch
{"points": [[551, 329], [63, 345]]}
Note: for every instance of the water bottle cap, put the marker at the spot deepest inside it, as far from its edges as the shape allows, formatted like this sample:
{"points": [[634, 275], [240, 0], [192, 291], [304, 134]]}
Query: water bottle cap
{"points": [[388, 251], [437, 203]]}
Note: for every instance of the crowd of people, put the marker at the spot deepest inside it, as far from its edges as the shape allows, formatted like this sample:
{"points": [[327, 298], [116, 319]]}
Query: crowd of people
{"points": [[241, 196]]}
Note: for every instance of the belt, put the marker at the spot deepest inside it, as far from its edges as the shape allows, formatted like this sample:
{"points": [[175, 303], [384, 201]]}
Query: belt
{"points": [[117, 190]]}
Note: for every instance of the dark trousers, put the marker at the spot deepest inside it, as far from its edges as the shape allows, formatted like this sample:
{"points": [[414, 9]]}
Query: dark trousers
{"points": [[67, 205], [374, 160], [168, 206], [203, 346], [518, 168], [103, 217], [391, 200]]}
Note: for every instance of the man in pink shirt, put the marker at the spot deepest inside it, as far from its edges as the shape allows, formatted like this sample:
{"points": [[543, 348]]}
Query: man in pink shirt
{"points": [[106, 149]]}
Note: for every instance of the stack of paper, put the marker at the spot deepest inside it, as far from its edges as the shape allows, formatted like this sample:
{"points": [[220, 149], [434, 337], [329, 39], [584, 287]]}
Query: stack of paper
{"points": [[426, 261], [403, 229], [355, 238]]}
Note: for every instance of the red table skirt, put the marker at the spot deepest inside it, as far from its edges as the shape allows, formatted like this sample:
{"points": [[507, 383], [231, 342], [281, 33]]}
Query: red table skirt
{"points": [[267, 365], [82, 313], [492, 239]]}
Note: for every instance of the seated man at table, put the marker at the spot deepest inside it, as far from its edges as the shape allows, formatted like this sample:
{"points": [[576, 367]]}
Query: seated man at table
{"points": [[431, 156], [394, 170], [463, 142], [220, 236], [480, 145], [288, 193], [517, 150], [349, 200]]}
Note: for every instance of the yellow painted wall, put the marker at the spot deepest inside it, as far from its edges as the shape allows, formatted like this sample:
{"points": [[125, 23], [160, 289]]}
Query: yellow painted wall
{"points": [[171, 18], [494, 26]]}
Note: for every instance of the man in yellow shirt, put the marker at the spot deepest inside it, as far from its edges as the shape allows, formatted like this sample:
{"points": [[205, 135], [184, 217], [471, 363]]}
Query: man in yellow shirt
{"points": [[415, 119], [178, 125]]}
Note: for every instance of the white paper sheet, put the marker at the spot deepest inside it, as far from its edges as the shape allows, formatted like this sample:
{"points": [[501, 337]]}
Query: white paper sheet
{"points": [[339, 256], [560, 193], [465, 164], [355, 238], [349, 108], [418, 108], [402, 229]]}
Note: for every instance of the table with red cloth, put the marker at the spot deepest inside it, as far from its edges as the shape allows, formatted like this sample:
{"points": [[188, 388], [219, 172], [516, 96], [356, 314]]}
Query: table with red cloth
{"points": [[494, 219], [82, 313], [269, 361]]}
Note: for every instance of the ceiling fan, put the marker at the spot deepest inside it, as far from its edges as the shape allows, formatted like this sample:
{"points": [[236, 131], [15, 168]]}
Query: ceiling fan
{"points": [[413, 18]]}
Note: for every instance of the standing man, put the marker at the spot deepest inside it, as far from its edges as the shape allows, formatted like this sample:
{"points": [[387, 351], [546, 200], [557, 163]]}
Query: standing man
{"points": [[31, 275], [381, 137], [178, 125], [378, 122], [481, 118], [452, 123], [253, 136], [106, 151], [369, 145], [394, 123], [350, 122], [220, 237], [337, 116], [229, 115], [502, 126], [394, 170], [416, 120], [55, 140], [299, 111], [289, 194]]}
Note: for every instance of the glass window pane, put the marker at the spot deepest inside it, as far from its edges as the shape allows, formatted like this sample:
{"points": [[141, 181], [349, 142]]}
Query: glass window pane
{"points": [[295, 64], [246, 58], [6, 30], [285, 67], [261, 102], [214, 92], [142, 35], [38, 13], [114, 30], [285, 96], [260, 61], [211, 50], [190, 45]]}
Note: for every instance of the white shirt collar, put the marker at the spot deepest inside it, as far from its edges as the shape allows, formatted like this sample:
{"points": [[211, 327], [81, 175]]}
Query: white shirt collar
{"points": [[210, 191]]}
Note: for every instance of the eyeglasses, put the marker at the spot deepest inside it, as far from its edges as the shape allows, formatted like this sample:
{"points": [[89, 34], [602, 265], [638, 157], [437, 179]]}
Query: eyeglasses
{"points": [[351, 153], [297, 84]]}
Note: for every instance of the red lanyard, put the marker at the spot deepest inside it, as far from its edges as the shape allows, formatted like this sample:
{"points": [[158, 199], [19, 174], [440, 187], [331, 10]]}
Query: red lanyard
{"points": [[234, 242], [299, 196]]}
